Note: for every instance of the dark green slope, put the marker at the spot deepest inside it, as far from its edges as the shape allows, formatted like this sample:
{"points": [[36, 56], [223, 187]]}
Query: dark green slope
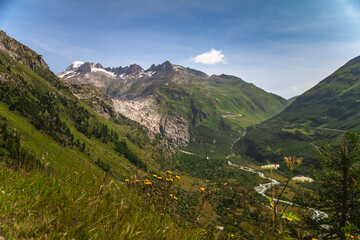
{"points": [[333, 103], [220, 108], [57, 128], [318, 116]]}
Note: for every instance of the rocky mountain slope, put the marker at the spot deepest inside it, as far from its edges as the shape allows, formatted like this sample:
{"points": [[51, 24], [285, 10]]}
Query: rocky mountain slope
{"points": [[183, 104], [318, 116]]}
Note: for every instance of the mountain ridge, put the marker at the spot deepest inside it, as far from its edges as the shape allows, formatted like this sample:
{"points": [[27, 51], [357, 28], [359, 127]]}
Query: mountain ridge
{"points": [[177, 101]]}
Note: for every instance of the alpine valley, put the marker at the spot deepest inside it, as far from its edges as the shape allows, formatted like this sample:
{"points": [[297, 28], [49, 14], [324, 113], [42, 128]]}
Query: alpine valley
{"points": [[169, 152]]}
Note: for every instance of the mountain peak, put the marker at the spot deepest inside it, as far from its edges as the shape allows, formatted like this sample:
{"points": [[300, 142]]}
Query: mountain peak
{"points": [[75, 65], [133, 68], [98, 65], [166, 66], [85, 67]]}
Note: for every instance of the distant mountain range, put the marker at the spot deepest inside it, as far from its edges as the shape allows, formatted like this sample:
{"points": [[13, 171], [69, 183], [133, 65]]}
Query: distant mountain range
{"points": [[187, 106], [320, 115]]}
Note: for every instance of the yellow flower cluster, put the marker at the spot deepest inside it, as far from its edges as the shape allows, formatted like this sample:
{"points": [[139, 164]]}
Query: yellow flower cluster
{"points": [[156, 189], [350, 236]]}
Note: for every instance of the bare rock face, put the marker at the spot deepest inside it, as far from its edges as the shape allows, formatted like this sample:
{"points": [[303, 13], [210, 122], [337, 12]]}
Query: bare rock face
{"points": [[176, 130], [145, 112], [21, 53]]}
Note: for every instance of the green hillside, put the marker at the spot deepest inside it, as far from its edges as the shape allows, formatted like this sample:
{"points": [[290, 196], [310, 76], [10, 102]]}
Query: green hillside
{"points": [[219, 109], [62, 130], [318, 116]]}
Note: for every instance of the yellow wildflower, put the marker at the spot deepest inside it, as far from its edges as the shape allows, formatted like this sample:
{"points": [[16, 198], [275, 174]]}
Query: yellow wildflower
{"points": [[202, 189], [175, 198], [171, 195], [148, 183], [159, 178], [169, 172], [232, 235], [178, 177], [289, 219], [136, 180], [126, 180], [155, 176]]}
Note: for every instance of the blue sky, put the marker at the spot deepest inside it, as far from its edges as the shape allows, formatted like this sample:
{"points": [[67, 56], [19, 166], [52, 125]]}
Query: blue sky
{"points": [[282, 46]]}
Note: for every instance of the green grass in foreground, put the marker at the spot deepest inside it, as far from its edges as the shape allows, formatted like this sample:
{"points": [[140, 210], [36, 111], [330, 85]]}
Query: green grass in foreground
{"points": [[34, 205]]}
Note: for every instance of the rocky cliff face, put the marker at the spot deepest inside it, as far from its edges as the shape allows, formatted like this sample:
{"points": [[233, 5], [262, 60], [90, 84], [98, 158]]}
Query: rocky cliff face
{"points": [[145, 111], [21, 53]]}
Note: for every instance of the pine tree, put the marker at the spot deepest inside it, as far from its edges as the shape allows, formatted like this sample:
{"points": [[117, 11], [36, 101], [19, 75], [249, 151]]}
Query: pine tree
{"points": [[337, 184]]}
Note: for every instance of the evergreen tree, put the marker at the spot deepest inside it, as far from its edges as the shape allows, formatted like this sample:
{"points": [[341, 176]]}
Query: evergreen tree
{"points": [[337, 185]]}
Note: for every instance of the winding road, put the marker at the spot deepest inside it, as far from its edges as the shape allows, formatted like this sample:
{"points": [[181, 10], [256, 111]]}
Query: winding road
{"points": [[263, 187]]}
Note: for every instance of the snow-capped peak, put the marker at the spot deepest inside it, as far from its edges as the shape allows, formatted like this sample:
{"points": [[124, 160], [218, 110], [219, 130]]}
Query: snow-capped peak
{"points": [[77, 64]]}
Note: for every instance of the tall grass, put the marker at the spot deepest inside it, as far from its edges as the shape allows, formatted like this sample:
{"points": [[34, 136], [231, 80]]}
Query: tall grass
{"points": [[34, 205]]}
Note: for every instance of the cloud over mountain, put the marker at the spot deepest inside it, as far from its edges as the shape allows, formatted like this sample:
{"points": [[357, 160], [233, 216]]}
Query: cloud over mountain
{"points": [[210, 58]]}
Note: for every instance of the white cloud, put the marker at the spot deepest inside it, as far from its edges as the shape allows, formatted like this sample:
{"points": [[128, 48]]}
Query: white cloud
{"points": [[210, 58]]}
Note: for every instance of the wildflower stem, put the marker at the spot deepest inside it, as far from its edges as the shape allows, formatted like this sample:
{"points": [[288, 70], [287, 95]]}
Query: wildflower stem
{"points": [[282, 191]]}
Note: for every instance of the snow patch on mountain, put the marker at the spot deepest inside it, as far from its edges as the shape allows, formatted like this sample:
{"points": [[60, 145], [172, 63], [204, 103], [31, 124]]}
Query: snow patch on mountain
{"points": [[102, 71], [67, 74], [77, 64]]}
